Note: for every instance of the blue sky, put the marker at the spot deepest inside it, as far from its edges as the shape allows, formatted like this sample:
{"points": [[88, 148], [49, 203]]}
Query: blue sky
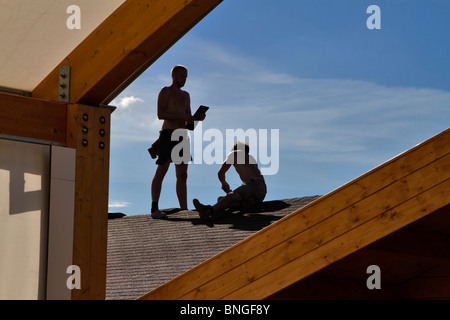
{"points": [[344, 98]]}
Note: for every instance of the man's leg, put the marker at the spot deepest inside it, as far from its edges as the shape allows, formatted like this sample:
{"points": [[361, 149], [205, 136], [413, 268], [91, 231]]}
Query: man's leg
{"points": [[209, 212], [231, 200], [160, 173], [181, 173], [233, 205]]}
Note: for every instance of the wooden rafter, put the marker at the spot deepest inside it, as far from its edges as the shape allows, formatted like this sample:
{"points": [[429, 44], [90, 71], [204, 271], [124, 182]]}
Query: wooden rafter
{"points": [[123, 46]]}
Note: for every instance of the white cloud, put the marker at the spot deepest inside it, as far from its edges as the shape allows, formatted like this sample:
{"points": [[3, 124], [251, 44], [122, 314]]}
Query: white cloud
{"points": [[135, 120], [119, 204], [127, 101]]}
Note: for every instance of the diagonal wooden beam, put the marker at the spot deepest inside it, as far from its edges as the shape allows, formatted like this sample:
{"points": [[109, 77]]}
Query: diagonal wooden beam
{"points": [[123, 46]]}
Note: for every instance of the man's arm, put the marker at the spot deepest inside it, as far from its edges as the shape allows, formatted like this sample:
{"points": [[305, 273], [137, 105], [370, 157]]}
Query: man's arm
{"points": [[221, 175], [188, 104], [188, 109]]}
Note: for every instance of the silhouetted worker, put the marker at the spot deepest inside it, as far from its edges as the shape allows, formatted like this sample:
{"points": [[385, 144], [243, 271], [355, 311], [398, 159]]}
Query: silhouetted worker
{"points": [[174, 107], [250, 193]]}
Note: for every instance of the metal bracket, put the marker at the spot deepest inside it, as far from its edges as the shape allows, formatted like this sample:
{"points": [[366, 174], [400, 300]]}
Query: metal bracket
{"points": [[64, 84]]}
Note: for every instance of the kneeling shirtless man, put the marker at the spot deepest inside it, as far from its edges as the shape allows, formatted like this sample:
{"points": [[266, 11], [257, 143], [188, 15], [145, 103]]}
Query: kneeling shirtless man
{"points": [[252, 191]]}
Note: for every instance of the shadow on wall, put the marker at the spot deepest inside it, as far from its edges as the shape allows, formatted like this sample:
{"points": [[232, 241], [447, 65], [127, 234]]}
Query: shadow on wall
{"points": [[24, 176], [24, 206]]}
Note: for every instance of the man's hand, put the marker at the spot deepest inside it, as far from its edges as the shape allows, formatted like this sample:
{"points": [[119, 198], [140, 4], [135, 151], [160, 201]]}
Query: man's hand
{"points": [[202, 117], [189, 118], [226, 187]]}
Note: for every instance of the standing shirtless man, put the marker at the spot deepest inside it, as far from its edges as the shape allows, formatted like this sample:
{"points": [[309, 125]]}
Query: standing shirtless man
{"points": [[174, 107]]}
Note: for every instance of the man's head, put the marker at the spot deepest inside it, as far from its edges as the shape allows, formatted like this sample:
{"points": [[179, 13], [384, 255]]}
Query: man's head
{"points": [[241, 146], [179, 75]]}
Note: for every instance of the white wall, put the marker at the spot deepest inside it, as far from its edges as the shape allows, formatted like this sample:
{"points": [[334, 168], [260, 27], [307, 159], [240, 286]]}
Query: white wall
{"points": [[37, 192], [24, 198], [61, 221]]}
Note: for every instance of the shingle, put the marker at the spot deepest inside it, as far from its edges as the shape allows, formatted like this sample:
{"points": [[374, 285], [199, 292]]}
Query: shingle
{"points": [[144, 253]]}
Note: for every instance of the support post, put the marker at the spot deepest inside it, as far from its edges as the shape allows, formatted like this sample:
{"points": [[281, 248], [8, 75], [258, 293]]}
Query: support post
{"points": [[89, 133]]}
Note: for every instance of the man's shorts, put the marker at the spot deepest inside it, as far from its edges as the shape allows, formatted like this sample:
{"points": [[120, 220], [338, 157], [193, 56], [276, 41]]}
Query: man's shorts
{"points": [[252, 188], [166, 146]]}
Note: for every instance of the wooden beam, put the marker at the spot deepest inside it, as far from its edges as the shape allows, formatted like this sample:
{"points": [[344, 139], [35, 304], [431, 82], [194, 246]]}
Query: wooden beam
{"points": [[438, 222], [89, 133], [123, 46], [33, 118]]}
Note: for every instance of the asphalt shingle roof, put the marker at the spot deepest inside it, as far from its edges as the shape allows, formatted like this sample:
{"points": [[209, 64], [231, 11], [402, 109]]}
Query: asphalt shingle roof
{"points": [[144, 253]]}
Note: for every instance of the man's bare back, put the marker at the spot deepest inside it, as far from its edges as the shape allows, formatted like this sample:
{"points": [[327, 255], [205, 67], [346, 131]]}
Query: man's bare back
{"points": [[245, 165]]}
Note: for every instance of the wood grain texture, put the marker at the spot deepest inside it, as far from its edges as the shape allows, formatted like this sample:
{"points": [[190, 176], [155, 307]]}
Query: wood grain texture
{"points": [[33, 118], [91, 197]]}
